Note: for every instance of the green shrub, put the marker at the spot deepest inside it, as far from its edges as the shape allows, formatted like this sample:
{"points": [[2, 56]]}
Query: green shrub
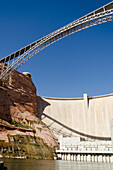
{"points": [[18, 124]]}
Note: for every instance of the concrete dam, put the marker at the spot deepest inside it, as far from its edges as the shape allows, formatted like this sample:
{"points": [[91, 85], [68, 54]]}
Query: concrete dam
{"points": [[87, 117]]}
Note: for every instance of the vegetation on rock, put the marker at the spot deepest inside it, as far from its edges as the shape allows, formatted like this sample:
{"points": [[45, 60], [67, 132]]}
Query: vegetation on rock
{"points": [[18, 124], [26, 146]]}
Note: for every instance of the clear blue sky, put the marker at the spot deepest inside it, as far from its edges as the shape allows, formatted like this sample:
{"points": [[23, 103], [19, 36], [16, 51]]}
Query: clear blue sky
{"points": [[80, 63]]}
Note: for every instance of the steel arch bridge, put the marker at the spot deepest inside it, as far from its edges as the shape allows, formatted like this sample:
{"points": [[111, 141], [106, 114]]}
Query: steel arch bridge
{"points": [[18, 58]]}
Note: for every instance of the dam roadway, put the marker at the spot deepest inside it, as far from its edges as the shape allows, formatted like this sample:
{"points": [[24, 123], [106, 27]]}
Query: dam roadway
{"points": [[87, 117]]}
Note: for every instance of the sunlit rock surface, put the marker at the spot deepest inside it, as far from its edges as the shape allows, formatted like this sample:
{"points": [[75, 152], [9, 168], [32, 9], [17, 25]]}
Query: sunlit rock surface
{"points": [[18, 112]]}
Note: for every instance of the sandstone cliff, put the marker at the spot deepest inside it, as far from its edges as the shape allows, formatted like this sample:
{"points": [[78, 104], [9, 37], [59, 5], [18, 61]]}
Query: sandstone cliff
{"points": [[18, 113]]}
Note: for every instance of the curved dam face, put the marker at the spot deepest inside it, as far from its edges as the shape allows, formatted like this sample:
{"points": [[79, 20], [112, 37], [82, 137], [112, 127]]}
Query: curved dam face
{"points": [[87, 117]]}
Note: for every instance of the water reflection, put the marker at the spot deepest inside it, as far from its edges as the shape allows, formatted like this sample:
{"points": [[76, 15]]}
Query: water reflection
{"points": [[32, 164]]}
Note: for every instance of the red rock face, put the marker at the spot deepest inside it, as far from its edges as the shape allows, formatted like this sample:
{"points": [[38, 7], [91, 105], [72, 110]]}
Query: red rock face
{"points": [[20, 96], [18, 103]]}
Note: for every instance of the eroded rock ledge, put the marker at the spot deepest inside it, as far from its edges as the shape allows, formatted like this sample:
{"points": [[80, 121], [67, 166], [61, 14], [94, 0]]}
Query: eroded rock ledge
{"points": [[19, 117]]}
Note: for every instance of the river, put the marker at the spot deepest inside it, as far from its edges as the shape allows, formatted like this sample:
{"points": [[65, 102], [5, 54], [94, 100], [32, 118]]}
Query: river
{"points": [[33, 164]]}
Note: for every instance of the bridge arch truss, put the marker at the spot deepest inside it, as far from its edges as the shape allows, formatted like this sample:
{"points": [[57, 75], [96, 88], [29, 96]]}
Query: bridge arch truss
{"points": [[18, 58]]}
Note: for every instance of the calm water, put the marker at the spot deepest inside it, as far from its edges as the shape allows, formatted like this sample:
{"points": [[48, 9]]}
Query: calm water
{"points": [[32, 164]]}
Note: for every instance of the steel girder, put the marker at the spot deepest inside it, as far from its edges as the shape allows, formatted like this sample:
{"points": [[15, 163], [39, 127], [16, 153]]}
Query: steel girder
{"points": [[18, 58]]}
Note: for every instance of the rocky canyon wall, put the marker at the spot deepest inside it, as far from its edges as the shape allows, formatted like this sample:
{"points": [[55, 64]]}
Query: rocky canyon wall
{"points": [[19, 116]]}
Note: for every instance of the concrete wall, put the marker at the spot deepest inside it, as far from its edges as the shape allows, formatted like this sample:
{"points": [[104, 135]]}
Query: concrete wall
{"points": [[88, 117]]}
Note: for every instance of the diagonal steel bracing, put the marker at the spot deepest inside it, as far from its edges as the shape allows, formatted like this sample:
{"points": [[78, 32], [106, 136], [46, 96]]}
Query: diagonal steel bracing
{"points": [[18, 58]]}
